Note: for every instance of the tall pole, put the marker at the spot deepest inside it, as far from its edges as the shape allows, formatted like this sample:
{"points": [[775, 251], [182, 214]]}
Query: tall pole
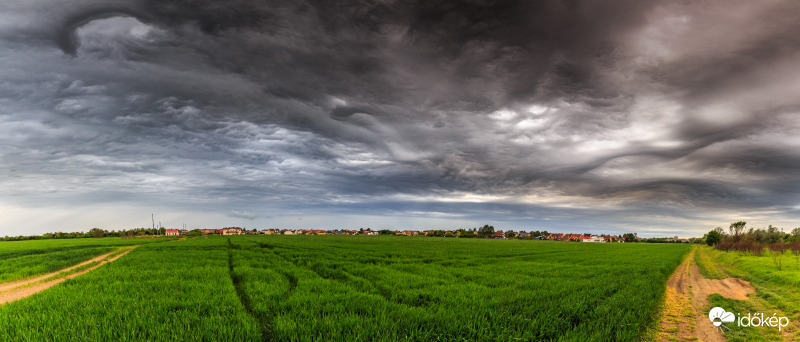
{"points": [[154, 220]]}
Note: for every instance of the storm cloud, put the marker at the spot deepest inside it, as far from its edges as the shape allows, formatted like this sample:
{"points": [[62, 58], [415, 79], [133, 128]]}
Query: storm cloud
{"points": [[661, 117]]}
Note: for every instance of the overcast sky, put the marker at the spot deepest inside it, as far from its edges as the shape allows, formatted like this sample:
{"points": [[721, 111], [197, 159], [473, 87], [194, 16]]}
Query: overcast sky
{"points": [[656, 117]]}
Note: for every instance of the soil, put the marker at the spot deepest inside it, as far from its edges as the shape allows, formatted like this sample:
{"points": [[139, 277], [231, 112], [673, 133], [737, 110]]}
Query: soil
{"points": [[10, 292], [685, 317]]}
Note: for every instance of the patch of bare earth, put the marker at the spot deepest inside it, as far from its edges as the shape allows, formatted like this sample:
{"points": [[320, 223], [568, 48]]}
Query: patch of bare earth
{"points": [[10, 292], [686, 300]]}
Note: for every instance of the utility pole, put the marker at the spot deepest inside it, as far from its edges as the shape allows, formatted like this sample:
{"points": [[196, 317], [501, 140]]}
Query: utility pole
{"points": [[152, 217]]}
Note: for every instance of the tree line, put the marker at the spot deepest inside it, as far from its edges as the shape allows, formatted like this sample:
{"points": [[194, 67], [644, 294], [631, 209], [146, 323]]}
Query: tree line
{"points": [[756, 242], [93, 233]]}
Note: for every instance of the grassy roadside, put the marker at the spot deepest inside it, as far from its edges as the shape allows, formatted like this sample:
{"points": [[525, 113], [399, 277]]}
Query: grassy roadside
{"points": [[675, 308], [776, 292], [707, 267]]}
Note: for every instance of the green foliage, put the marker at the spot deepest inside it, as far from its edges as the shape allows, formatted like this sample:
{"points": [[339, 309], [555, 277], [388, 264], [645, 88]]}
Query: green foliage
{"points": [[194, 233], [713, 237], [97, 233], [629, 237], [486, 231], [736, 229]]}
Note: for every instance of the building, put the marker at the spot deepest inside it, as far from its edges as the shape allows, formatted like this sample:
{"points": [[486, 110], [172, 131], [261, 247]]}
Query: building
{"points": [[207, 231], [231, 231], [172, 232], [270, 231], [594, 239]]}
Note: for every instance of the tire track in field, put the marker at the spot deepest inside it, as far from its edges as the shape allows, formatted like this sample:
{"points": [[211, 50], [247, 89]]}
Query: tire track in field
{"points": [[289, 277], [264, 320], [379, 290], [32, 286], [9, 286]]}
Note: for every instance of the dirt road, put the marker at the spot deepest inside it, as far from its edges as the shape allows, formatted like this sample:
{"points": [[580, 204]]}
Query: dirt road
{"points": [[10, 292], [686, 303]]}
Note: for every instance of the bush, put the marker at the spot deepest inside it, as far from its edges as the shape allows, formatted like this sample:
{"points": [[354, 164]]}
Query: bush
{"points": [[776, 251]]}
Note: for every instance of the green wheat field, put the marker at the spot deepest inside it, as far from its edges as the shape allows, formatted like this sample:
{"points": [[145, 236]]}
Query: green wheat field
{"points": [[339, 288]]}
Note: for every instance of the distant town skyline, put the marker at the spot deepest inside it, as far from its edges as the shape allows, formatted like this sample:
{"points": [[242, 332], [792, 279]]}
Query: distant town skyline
{"points": [[656, 117]]}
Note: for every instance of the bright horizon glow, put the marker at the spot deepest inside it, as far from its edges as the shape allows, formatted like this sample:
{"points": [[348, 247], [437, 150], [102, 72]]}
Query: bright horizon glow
{"points": [[439, 116]]}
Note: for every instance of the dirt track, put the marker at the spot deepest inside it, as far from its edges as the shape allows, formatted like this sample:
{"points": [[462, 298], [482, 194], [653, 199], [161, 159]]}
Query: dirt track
{"points": [[10, 292], [685, 316]]}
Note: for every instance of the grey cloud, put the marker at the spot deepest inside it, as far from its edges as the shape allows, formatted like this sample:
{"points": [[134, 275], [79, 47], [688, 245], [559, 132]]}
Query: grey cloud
{"points": [[646, 106]]}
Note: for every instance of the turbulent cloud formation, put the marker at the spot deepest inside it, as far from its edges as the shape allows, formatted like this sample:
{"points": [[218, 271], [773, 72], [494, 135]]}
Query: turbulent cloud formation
{"points": [[659, 117]]}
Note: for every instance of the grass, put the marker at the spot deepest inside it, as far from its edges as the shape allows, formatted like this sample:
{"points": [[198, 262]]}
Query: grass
{"points": [[372, 288], [25, 259], [167, 291], [423, 289], [72, 271], [707, 267], [776, 291]]}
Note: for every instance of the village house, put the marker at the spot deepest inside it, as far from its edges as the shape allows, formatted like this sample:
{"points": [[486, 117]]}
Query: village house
{"points": [[172, 232], [288, 232], [594, 239], [207, 231], [231, 231], [270, 231]]}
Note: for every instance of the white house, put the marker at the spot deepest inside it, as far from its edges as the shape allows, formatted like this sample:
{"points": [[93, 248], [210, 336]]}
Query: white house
{"points": [[595, 239]]}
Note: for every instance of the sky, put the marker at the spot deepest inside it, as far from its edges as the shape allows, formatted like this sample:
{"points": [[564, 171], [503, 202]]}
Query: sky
{"points": [[657, 117]]}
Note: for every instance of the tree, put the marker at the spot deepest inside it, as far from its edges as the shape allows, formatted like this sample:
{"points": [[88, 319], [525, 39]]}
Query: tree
{"points": [[629, 237], [736, 230], [510, 234], [486, 231], [97, 232], [713, 237]]}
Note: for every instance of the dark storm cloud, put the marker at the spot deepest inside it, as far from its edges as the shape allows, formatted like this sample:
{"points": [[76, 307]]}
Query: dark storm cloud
{"points": [[590, 109]]}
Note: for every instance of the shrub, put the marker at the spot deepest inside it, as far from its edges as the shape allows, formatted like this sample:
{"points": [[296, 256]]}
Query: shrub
{"points": [[776, 251]]}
